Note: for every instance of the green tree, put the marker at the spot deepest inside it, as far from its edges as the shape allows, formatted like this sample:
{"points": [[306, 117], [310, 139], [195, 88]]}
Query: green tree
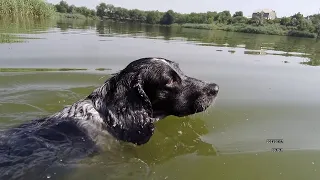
{"points": [[210, 16], [296, 19], [238, 13], [93, 13], [142, 16], [256, 20], [101, 10], [71, 9], [120, 13], [110, 11], [84, 11], [239, 19], [285, 21], [197, 18], [305, 25], [298, 16], [167, 18], [62, 7], [179, 18], [223, 17], [315, 19], [210, 20], [153, 17], [318, 30], [134, 14], [277, 20]]}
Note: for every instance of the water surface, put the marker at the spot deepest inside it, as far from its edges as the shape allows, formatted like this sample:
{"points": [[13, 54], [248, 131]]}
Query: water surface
{"points": [[269, 88]]}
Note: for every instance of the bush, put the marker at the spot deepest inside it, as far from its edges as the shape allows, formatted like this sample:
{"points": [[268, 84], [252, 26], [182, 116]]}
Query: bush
{"points": [[199, 26], [26, 8], [71, 16], [297, 33], [75, 16]]}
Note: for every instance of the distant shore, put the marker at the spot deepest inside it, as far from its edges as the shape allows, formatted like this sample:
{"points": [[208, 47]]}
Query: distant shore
{"points": [[296, 25], [269, 29]]}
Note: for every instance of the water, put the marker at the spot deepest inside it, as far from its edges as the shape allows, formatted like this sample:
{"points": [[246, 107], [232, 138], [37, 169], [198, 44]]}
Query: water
{"points": [[269, 89]]}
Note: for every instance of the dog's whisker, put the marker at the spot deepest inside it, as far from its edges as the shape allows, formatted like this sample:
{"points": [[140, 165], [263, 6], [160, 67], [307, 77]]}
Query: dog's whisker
{"points": [[102, 77]]}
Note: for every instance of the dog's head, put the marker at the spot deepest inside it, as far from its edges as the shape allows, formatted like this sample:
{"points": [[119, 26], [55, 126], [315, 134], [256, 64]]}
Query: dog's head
{"points": [[169, 90], [147, 90]]}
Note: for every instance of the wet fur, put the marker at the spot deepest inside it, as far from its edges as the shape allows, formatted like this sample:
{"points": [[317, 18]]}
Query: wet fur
{"points": [[124, 108]]}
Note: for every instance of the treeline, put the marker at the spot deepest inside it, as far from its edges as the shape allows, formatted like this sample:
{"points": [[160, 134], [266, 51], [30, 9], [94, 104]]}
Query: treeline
{"points": [[72, 11], [165, 18], [296, 25], [170, 17]]}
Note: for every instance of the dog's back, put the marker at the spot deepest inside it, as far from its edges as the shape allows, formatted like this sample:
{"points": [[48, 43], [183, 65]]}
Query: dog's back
{"points": [[32, 148]]}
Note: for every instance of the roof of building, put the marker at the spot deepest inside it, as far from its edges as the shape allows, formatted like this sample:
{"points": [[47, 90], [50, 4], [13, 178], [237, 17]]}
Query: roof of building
{"points": [[264, 10]]}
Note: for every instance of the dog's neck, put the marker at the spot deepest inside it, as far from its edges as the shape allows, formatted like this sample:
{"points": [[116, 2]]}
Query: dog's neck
{"points": [[126, 119], [123, 113]]}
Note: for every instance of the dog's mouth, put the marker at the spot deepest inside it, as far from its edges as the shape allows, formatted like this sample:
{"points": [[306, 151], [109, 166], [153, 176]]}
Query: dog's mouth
{"points": [[204, 104]]}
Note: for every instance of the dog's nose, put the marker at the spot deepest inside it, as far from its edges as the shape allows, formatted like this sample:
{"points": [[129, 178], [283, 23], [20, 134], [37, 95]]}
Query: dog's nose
{"points": [[212, 89]]}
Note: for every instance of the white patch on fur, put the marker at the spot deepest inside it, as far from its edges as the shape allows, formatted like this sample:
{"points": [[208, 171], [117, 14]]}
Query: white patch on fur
{"points": [[159, 59], [169, 64], [87, 117], [216, 88]]}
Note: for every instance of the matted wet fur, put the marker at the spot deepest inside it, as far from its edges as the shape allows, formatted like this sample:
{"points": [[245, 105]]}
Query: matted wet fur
{"points": [[124, 108]]}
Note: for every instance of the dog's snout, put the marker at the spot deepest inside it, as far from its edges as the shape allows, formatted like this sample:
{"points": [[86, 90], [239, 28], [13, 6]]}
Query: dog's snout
{"points": [[212, 89]]}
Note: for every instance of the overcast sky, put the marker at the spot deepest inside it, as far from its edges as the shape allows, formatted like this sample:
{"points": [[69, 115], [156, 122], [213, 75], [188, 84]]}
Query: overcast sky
{"points": [[282, 7]]}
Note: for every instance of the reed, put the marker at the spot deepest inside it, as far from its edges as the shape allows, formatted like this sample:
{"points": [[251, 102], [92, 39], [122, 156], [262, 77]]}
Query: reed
{"points": [[40, 69], [26, 8]]}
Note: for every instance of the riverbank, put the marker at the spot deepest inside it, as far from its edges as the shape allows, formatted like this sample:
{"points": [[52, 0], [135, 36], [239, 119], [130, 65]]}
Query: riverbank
{"points": [[75, 16], [269, 29], [2, 70], [296, 25]]}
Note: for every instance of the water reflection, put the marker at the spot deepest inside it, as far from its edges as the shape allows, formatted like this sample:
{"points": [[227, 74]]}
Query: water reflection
{"points": [[254, 44], [279, 45], [257, 101], [176, 137]]}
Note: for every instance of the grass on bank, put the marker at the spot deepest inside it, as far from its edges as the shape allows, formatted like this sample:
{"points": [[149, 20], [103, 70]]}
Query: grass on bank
{"points": [[74, 16], [13, 38], [47, 69], [39, 69], [9, 38], [102, 69], [270, 29], [26, 8]]}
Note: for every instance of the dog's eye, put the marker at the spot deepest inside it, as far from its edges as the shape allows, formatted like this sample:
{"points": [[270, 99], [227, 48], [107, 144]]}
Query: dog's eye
{"points": [[170, 81]]}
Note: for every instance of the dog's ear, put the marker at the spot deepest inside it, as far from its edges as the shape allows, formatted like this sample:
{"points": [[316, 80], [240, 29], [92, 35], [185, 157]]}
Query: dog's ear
{"points": [[130, 119], [145, 101]]}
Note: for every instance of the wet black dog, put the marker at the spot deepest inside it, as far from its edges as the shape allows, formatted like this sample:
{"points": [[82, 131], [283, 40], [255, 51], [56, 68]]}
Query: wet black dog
{"points": [[124, 108]]}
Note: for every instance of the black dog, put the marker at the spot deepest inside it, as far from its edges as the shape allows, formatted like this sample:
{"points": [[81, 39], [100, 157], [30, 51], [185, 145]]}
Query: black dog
{"points": [[124, 108]]}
